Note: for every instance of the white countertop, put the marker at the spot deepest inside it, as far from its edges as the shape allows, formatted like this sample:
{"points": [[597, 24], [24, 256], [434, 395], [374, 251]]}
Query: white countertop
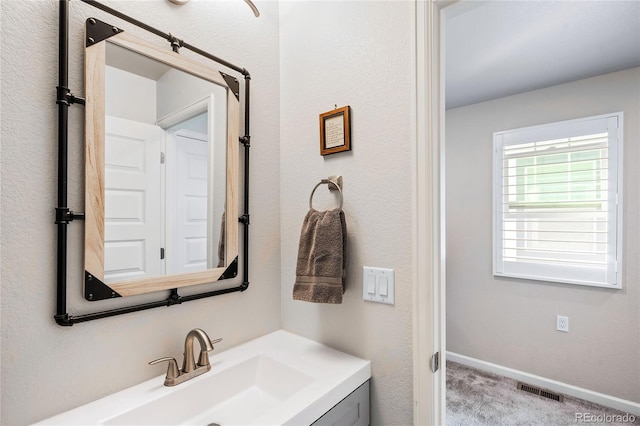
{"points": [[328, 377]]}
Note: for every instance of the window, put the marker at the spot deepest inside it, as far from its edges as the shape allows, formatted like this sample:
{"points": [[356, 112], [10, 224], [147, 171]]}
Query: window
{"points": [[557, 201]]}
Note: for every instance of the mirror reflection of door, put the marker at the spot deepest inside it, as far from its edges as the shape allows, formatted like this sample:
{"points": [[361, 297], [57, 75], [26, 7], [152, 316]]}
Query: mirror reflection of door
{"points": [[187, 174], [133, 236], [196, 179], [157, 211]]}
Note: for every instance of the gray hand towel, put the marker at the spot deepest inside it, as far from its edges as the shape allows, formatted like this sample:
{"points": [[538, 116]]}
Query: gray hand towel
{"points": [[321, 262]]}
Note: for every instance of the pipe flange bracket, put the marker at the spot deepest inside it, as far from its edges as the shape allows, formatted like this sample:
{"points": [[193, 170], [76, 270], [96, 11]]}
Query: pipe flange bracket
{"points": [[174, 299], [64, 215], [65, 97], [176, 43]]}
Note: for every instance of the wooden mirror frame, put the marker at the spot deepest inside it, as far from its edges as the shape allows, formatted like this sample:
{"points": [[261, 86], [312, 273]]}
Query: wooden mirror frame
{"points": [[95, 288]]}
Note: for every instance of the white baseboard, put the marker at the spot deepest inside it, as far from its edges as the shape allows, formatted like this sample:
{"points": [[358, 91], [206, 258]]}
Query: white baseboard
{"points": [[599, 398]]}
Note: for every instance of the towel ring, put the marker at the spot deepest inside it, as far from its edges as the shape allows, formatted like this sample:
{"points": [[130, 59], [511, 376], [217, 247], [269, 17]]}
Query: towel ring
{"points": [[336, 185]]}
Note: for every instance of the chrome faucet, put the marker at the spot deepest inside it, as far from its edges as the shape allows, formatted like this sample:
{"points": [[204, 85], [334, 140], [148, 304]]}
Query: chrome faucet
{"points": [[190, 368]]}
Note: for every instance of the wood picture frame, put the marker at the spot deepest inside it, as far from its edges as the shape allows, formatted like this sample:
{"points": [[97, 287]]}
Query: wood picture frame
{"points": [[335, 131]]}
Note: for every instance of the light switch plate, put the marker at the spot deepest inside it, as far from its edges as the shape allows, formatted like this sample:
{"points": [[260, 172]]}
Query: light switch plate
{"points": [[379, 277]]}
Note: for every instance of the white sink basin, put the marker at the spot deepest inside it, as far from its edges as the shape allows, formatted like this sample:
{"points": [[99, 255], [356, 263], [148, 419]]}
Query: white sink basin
{"points": [[237, 395], [276, 379]]}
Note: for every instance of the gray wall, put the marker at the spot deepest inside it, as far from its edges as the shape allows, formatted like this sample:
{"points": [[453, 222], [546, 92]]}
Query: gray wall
{"points": [[47, 369], [512, 322], [358, 54], [178, 89], [129, 96]]}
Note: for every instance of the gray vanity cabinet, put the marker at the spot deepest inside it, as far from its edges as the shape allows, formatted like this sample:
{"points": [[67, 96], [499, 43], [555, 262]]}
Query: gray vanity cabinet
{"points": [[351, 411]]}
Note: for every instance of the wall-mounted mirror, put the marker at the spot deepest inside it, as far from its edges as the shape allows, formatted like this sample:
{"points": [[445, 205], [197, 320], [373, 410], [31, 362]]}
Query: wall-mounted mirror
{"points": [[161, 170]]}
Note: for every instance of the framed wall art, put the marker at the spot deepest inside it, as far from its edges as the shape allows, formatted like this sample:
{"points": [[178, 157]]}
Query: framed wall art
{"points": [[335, 131]]}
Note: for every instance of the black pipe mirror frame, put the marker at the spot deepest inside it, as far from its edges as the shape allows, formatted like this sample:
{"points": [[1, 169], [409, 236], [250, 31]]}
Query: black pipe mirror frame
{"points": [[64, 215]]}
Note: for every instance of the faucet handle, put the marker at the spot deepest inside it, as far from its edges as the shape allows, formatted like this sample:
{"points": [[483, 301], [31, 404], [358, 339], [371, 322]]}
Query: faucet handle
{"points": [[172, 368], [214, 341]]}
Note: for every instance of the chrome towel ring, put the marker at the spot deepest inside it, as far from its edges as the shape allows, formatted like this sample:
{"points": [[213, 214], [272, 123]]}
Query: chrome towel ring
{"points": [[334, 182]]}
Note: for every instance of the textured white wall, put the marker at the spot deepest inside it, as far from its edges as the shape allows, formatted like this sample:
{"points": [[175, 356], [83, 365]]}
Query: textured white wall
{"points": [[512, 322], [358, 54], [47, 369]]}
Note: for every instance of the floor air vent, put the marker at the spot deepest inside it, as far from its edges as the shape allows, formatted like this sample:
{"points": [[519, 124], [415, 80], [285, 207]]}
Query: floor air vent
{"points": [[542, 392]]}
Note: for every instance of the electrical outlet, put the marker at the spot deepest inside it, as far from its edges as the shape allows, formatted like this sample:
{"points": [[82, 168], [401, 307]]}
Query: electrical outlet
{"points": [[562, 323]]}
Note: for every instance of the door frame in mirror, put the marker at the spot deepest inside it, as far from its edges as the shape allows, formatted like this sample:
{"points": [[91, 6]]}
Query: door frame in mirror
{"points": [[95, 287]]}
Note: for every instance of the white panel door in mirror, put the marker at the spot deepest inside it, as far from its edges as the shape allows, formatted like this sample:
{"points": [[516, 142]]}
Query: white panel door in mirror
{"points": [[133, 231], [187, 176]]}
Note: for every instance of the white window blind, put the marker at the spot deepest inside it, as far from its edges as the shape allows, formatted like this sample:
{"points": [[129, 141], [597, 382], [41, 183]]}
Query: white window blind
{"points": [[557, 201]]}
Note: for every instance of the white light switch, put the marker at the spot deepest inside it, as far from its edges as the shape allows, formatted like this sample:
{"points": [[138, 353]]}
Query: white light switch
{"points": [[383, 288], [378, 285], [371, 284]]}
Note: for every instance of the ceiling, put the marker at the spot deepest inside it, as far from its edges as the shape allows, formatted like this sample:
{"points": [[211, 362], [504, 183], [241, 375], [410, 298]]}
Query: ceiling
{"points": [[135, 63], [499, 48]]}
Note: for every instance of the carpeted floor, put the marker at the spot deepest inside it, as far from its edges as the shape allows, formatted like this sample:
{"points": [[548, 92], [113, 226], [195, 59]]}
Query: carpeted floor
{"points": [[475, 397]]}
